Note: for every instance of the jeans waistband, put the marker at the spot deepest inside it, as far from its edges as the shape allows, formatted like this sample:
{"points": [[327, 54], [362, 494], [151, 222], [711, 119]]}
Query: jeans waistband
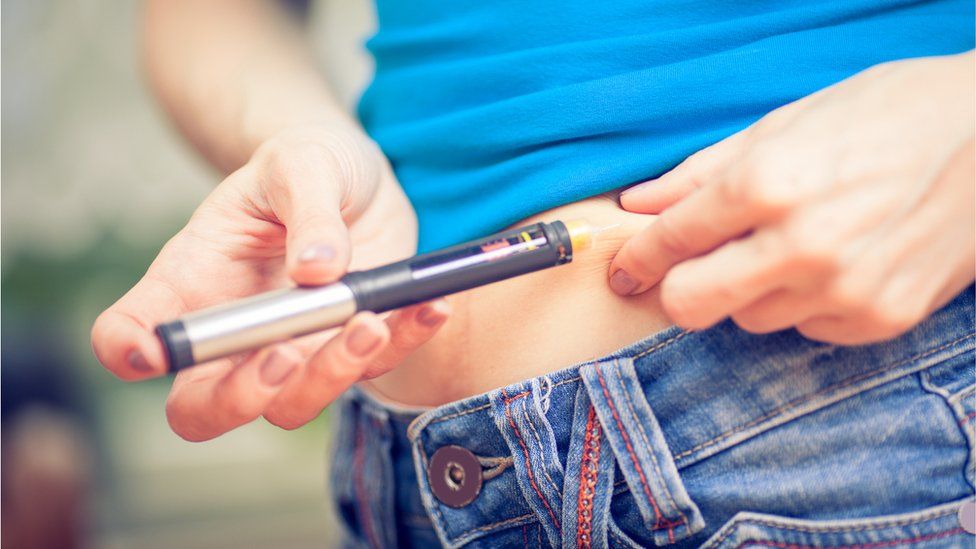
{"points": [[556, 448]]}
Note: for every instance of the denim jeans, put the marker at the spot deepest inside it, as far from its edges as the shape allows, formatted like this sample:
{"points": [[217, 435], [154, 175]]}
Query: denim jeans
{"points": [[714, 438]]}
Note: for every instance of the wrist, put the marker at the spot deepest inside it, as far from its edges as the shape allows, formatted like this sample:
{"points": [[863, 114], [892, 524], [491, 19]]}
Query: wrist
{"points": [[304, 115]]}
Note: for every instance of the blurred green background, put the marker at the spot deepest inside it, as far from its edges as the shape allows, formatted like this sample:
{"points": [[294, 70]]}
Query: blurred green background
{"points": [[94, 181]]}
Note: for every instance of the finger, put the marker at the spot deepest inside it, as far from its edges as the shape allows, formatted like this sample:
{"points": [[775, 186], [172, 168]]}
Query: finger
{"points": [[843, 330], [887, 313], [717, 213], [409, 329], [778, 310], [342, 361], [656, 195], [122, 337], [309, 203], [702, 291], [204, 404], [909, 270]]}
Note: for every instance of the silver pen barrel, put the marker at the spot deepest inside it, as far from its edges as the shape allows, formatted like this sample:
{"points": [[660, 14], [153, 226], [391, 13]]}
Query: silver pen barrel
{"points": [[277, 316], [254, 322]]}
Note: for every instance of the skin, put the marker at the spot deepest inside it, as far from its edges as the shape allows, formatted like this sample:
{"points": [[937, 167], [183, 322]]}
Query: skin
{"points": [[848, 214], [307, 188], [307, 195]]}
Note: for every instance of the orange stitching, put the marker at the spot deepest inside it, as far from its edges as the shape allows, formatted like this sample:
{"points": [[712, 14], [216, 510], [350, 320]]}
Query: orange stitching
{"points": [[968, 417], [799, 401], [589, 469], [472, 533], [647, 442], [525, 450], [630, 449], [484, 406], [660, 345], [871, 545]]}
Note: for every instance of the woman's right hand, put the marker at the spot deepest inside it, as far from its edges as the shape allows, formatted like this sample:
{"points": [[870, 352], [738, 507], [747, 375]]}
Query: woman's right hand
{"points": [[309, 203]]}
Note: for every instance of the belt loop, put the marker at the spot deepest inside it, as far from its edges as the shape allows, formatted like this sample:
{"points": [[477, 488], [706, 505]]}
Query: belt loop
{"points": [[532, 443], [588, 488], [641, 450]]}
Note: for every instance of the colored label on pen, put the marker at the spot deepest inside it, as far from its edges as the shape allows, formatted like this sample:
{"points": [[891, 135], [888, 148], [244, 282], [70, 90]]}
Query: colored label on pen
{"points": [[486, 252]]}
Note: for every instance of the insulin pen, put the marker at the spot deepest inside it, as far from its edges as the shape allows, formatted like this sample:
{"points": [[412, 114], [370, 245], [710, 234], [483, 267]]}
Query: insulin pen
{"points": [[254, 322]]}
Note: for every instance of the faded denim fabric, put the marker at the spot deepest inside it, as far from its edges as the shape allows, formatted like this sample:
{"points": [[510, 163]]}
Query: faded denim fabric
{"points": [[716, 438]]}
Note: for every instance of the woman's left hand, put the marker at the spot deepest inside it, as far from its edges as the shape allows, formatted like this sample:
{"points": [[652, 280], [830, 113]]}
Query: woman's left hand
{"points": [[848, 214]]}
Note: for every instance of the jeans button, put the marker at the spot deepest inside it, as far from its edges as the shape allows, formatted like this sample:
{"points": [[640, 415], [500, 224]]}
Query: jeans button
{"points": [[454, 474], [967, 516]]}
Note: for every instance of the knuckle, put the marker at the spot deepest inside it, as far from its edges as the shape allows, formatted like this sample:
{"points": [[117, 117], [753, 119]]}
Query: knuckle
{"points": [[752, 322], [698, 161], [734, 190], [766, 195], [232, 406], [771, 125], [817, 332], [180, 424], [848, 295], [726, 292], [678, 307], [672, 241], [641, 264], [283, 421], [889, 319], [340, 367], [813, 250], [381, 366], [759, 184], [407, 339]]}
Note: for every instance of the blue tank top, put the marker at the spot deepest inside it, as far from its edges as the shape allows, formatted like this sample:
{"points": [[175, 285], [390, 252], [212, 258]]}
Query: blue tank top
{"points": [[494, 110]]}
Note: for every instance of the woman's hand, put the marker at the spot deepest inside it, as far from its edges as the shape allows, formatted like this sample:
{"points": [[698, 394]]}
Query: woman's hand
{"points": [[307, 203], [848, 214]]}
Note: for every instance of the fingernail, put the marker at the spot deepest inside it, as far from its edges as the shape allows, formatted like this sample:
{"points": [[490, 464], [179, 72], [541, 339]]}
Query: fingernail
{"points": [[138, 361], [622, 283], [430, 316], [636, 187], [317, 252], [275, 369], [361, 340]]}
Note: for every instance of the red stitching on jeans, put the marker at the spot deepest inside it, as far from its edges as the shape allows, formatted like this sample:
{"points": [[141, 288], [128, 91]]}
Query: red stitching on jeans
{"points": [[630, 450], [968, 417], [359, 460], [589, 469], [525, 450], [872, 545], [640, 429], [513, 397]]}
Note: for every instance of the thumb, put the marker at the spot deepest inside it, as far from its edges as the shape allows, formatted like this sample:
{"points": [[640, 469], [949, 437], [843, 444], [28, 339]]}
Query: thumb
{"points": [[309, 202], [122, 336], [315, 193], [657, 195], [317, 246]]}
